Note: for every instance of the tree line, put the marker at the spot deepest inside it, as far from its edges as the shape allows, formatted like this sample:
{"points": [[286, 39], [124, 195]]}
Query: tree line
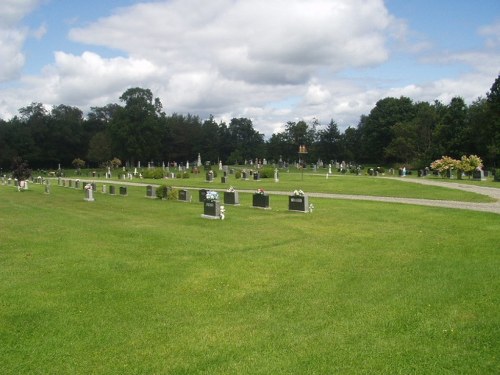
{"points": [[396, 131]]}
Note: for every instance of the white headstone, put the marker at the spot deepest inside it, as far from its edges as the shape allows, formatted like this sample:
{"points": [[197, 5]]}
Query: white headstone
{"points": [[89, 193]]}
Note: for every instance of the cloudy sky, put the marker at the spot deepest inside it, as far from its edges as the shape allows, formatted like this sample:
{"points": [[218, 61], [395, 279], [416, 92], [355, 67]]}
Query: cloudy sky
{"points": [[272, 61]]}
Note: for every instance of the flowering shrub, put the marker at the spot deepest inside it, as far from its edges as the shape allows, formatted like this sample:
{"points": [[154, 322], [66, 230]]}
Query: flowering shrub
{"points": [[212, 196], [467, 164], [230, 189], [444, 164], [260, 191], [470, 163], [298, 193]]}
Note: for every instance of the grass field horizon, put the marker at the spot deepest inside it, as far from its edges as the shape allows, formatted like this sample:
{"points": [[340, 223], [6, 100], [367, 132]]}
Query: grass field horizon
{"points": [[134, 285], [317, 182]]}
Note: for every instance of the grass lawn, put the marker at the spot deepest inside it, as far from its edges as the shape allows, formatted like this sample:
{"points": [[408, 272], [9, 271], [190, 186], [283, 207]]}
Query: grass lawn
{"points": [[139, 286], [336, 184]]}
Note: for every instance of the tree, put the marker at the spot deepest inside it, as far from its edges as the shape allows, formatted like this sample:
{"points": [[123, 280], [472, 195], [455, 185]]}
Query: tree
{"points": [[277, 147], [246, 141], [412, 140], [65, 138], [135, 128], [182, 137], [329, 143], [376, 128], [20, 169], [99, 149], [78, 163], [450, 133], [209, 140], [492, 126]]}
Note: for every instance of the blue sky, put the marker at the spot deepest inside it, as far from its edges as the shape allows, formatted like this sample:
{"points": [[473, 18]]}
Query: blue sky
{"points": [[269, 60]]}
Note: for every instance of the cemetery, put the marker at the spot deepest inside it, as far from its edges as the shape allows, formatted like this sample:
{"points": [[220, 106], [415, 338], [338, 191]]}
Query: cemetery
{"points": [[129, 274]]}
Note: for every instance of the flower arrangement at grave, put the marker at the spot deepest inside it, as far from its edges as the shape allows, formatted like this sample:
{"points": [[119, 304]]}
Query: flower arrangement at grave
{"points": [[88, 187], [260, 199], [211, 205], [298, 201], [311, 208], [231, 196], [222, 212], [212, 196]]}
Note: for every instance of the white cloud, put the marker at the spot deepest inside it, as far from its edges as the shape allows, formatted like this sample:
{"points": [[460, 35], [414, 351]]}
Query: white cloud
{"points": [[12, 37], [236, 56], [88, 79], [492, 34], [270, 60]]}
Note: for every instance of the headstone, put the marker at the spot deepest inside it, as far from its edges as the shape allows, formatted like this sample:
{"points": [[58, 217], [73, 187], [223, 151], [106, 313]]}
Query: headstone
{"points": [[256, 176], [298, 203], [103, 189], [224, 179], [70, 183], [112, 190], [260, 201], [123, 190], [276, 175], [47, 189], [478, 175], [89, 193], [210, 176], [231, 197], [211, 210], [184, 195], [202, 194], [150, 191]]}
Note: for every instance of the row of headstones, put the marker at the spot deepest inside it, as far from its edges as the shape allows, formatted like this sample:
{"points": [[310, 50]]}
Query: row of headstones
{"points": [[213, 208], [23, 184], [20, 185], [477, 175], [225, 179]]}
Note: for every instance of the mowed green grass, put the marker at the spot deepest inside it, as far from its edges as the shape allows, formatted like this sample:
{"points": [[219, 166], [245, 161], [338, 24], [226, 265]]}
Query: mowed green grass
{"points": [[139, 286], [336, 184]]}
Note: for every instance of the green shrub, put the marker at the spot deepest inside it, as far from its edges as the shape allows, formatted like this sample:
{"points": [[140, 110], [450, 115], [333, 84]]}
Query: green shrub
{"points": [[154, 173], [237, 175], [497, 175], [173, 194], [162, 191], [167, 192], [267, 172]]}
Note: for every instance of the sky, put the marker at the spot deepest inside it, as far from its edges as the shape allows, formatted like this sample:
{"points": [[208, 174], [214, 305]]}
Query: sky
{"points": [[272, 61]]}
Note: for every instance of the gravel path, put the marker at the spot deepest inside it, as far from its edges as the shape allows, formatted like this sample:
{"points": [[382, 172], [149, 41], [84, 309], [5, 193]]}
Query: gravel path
{"points": [[485, 207]]}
